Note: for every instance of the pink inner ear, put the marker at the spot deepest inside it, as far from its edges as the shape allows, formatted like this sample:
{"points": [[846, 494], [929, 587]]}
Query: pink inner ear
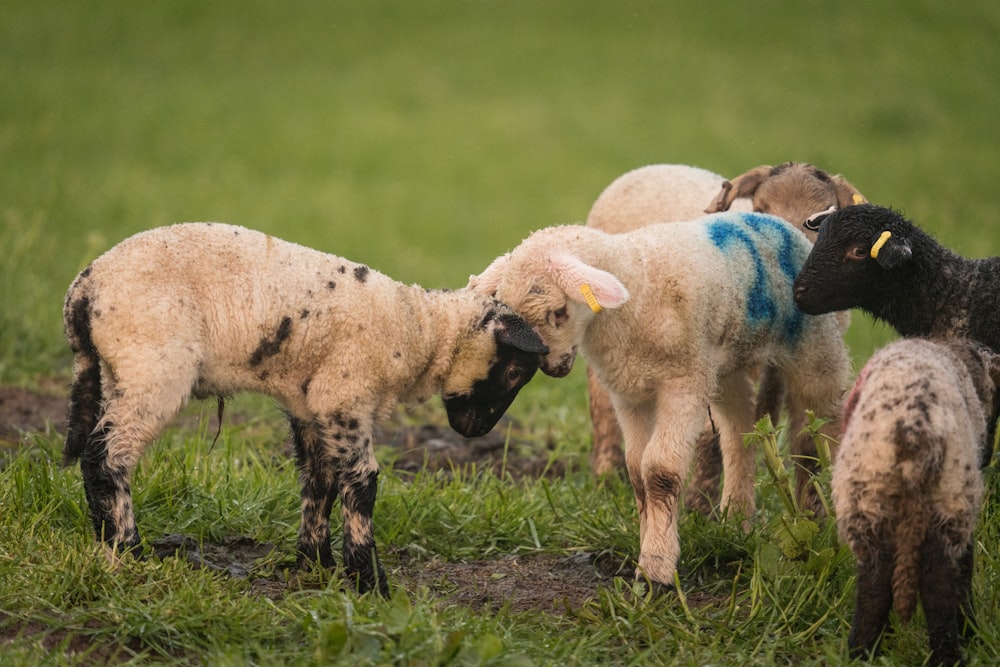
{"points": [[571, 273]]}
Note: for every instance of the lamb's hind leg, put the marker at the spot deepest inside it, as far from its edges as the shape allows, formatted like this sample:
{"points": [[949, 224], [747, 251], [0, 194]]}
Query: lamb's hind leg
{"points": [[702, 491], [133, 417], [607, 456], [943, 594], [808, 394], [732, 411], [872, 597], [318, 477]]}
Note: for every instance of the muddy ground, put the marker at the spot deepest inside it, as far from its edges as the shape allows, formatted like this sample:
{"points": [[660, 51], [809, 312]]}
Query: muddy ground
{"points": [[554, 584]]}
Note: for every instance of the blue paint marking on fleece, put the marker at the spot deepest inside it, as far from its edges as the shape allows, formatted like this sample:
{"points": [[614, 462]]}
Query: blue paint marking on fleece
{"points": [[762, 305]]}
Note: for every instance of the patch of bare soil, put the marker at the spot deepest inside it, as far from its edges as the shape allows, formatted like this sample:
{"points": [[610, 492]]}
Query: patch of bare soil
{"points": [[537, 582], [22, 412]]}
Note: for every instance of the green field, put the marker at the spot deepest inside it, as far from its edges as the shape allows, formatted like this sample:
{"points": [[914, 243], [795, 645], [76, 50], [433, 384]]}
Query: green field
{"points": [[425, 139]]}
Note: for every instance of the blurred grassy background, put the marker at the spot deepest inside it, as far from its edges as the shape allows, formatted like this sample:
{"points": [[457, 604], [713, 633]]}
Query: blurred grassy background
{"points": [[425, 138]]}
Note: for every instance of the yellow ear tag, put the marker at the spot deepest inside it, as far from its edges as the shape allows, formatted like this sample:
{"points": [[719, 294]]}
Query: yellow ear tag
{"points": [[859, 199], [882, 238], [588, 296]]}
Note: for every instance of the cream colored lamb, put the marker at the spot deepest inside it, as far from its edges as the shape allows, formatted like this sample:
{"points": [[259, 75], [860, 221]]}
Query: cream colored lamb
{"points": [[795, 191], [209, 309], [674, 318]]}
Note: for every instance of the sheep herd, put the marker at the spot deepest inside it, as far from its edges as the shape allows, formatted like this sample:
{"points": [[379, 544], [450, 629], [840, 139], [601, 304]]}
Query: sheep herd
{"points": [[678, 314]]}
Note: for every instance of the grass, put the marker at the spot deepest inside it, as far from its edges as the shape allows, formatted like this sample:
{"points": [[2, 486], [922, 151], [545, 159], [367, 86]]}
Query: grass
{"points": [[425, 139]]}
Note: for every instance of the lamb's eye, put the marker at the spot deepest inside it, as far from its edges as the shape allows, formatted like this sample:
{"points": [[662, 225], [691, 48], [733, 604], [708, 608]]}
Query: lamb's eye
{"points": [[856, 253], [559, 316], [513, 375]]}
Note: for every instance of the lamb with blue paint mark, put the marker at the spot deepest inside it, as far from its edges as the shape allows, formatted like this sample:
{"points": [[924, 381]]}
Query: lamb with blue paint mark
{"points": [[674, 318], [208, 309], [795, 191]]}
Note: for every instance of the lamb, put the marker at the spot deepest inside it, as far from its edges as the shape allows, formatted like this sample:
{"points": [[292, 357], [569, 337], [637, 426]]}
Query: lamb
{"points": [[872, 258], [907, 489], [698, 305], [794, 191], [209, 309]]}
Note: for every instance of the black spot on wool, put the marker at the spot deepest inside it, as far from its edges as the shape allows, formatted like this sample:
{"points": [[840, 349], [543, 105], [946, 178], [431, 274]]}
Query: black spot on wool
{"points": [[361, 273], [268, 347]]}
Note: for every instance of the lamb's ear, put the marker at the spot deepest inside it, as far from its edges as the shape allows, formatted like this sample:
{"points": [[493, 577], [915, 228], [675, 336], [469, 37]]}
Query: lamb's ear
{"points": [[891, 251], [513, 331], [743, 185], [488, 281], [587, 284], [847, 194]]}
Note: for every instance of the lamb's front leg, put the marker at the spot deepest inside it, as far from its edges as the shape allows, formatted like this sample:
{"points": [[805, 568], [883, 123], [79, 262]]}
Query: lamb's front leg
{"points": [[665, 460], [351, 439]]}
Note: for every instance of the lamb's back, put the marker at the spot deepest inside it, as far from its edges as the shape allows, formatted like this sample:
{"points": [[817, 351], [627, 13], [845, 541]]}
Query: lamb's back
{"points": [[915, 430], [735, 270]]}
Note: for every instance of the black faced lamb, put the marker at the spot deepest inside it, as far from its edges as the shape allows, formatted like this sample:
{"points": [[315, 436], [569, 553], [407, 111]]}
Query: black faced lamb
{"points": [[674, 318], [872, 258], [795, 191], [907, 486], [209, 309]]}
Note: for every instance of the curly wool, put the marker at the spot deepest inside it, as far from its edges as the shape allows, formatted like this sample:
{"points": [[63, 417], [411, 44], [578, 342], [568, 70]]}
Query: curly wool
{"points": [[906, 483]]}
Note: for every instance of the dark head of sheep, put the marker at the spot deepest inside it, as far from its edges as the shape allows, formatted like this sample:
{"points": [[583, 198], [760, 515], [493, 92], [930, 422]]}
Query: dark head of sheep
{"points": [[872, 258], [518, 353]]}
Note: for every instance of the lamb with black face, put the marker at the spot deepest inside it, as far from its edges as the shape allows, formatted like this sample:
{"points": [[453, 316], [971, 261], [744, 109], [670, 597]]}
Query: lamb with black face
{"points": [[518, 354]]}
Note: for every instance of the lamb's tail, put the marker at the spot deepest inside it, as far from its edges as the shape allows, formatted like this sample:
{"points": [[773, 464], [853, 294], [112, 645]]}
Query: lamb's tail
{"points": [[910, 535], [914, 522], [85, 396]]}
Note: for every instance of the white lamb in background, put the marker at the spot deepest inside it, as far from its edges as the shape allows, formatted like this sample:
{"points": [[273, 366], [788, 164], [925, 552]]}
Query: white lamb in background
{"points": [[675, 318], [907, 486], [795, 191], [209, 309]]}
